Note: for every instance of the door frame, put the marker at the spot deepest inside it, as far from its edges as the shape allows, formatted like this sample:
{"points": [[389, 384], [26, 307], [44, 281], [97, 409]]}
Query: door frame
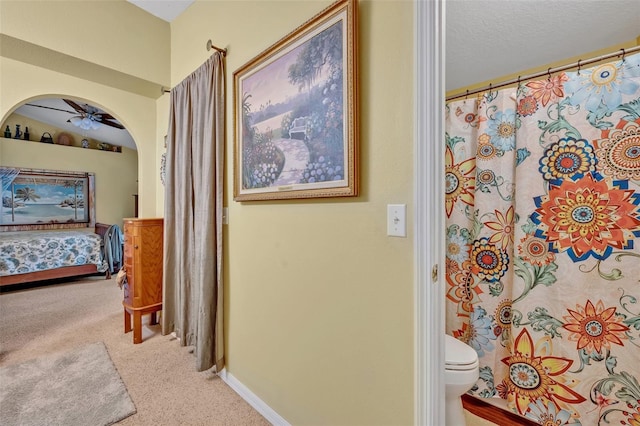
{"points": [[429, 327]]}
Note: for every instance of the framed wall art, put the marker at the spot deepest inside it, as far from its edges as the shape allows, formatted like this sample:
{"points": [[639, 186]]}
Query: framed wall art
{"points": [[46, 199], [296, 113]]}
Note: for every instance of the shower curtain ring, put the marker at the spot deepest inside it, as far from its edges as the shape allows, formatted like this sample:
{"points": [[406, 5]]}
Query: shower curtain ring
{"points": [[519, 83], [549, 74], [623, 54], [466, 96], [579, 60]]}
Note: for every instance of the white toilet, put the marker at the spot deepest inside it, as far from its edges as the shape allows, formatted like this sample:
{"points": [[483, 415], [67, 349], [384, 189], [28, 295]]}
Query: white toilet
{"points": [[461, 373]]}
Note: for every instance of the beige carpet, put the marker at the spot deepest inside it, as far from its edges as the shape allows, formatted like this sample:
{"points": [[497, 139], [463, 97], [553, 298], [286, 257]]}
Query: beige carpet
{"points": [[159, 374], [56, 390]]}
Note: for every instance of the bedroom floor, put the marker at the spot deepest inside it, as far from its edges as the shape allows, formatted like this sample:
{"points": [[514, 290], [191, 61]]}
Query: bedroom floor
{"points": [[159, 375]]}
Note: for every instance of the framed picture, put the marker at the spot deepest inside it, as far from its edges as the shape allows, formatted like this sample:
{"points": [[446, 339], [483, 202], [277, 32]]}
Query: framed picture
{"points": [[32, 198], [296, 113]]}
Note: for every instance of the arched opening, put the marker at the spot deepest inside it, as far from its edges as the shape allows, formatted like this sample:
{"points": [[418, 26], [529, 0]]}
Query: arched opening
{"points": [[62, 133]]}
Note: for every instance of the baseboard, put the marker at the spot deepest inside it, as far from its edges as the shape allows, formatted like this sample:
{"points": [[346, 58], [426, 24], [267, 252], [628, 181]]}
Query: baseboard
{"points": [[253, 400]]}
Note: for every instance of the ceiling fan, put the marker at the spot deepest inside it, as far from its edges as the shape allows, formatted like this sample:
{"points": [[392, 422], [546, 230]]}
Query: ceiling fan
{"points": [[89, 118]]}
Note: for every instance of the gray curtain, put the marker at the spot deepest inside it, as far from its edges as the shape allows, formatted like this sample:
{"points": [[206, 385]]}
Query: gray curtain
{"points": [[193, 298]]}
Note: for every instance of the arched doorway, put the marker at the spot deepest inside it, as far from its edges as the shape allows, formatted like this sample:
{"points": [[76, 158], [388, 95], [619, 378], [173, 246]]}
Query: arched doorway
{"points": [[54, 132]]}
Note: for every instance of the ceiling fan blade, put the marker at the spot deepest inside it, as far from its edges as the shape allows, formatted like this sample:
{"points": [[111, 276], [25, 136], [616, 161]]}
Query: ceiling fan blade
{"points": [[75, 106], [106, 116], [55, 109], [112, 124]]}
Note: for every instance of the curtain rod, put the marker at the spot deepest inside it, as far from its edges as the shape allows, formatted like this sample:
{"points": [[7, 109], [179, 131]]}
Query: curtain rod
{"points": [[219, 49], [209, 47], [579, 64]]}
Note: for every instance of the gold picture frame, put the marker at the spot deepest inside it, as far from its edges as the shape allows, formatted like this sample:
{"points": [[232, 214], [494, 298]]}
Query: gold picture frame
{"points": [[296, 113]]}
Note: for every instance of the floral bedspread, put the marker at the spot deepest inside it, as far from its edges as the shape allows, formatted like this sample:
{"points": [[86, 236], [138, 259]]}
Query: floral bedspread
{"points": [[31, 251]]}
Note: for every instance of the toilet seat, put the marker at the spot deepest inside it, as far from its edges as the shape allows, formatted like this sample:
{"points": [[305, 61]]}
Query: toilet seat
{"points": [[458, 355]]}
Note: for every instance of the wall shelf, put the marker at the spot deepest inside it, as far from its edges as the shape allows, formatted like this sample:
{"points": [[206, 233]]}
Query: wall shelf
{"points": [[92, 144]]}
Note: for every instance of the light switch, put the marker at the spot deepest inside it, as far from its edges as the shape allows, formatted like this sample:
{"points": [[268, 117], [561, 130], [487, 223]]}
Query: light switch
{"points": [[397, 220]]}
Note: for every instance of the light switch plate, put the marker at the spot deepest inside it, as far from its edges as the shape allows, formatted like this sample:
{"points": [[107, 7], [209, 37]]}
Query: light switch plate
{"points": [[397, 220]]}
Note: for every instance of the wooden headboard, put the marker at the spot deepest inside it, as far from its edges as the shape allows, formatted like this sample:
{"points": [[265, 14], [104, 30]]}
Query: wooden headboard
{"points": [[101, 229]]}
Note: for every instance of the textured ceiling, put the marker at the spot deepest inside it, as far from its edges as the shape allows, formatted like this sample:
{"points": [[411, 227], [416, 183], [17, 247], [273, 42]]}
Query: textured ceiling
{"points": [[488, 39]]}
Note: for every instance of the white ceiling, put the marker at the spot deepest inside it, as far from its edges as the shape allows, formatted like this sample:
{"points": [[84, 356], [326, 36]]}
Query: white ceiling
{"points": [[167, 10], [488, 39]]}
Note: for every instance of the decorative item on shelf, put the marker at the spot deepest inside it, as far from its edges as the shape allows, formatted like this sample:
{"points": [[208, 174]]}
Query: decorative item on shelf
{"points": [[26, 134], [64, 139], [18, 132], [85, 143], [46, 138], [7, 132]]}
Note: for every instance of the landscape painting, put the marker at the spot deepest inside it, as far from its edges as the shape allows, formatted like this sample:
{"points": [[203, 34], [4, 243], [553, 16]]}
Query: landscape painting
{"points": [[295, 113], [30, 198]]}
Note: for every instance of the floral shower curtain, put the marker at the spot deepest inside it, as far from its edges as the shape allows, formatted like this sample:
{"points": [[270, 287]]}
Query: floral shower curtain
{"points": [[543, 243]]}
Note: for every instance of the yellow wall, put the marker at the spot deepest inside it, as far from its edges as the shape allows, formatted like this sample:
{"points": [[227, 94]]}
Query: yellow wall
{"points": [[319, 300], [132, 52], [116, 173], [113, 34]]}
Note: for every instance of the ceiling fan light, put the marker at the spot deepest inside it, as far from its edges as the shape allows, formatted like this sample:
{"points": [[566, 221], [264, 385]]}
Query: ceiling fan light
{"points": [[85, 123]]}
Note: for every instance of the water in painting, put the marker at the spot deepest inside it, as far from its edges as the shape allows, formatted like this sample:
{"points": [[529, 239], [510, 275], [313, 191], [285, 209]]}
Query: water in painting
{"points": [[38, 200]]}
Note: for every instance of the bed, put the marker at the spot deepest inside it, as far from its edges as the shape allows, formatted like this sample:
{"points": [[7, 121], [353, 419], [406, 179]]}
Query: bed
{"points": [[27, 256]]}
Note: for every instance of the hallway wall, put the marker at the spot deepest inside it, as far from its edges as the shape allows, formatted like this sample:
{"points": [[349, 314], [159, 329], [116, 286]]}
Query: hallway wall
{"points": [[319, 299]]}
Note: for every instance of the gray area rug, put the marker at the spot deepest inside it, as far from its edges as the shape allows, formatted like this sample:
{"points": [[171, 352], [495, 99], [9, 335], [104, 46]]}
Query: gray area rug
{"points": [[80, 387]]}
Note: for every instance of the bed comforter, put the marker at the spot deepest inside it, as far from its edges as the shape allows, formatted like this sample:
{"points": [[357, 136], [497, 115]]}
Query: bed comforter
{"points": [[32, 251]]}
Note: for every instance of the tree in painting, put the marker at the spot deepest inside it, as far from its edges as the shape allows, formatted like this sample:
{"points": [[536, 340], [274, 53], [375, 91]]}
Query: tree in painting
{"points": [[324, 110], [310, 118], [75, 184], [27, 194]]}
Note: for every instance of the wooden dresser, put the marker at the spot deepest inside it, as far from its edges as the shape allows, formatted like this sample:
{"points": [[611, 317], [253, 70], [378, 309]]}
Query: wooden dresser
{"points": [[143, 240]]}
